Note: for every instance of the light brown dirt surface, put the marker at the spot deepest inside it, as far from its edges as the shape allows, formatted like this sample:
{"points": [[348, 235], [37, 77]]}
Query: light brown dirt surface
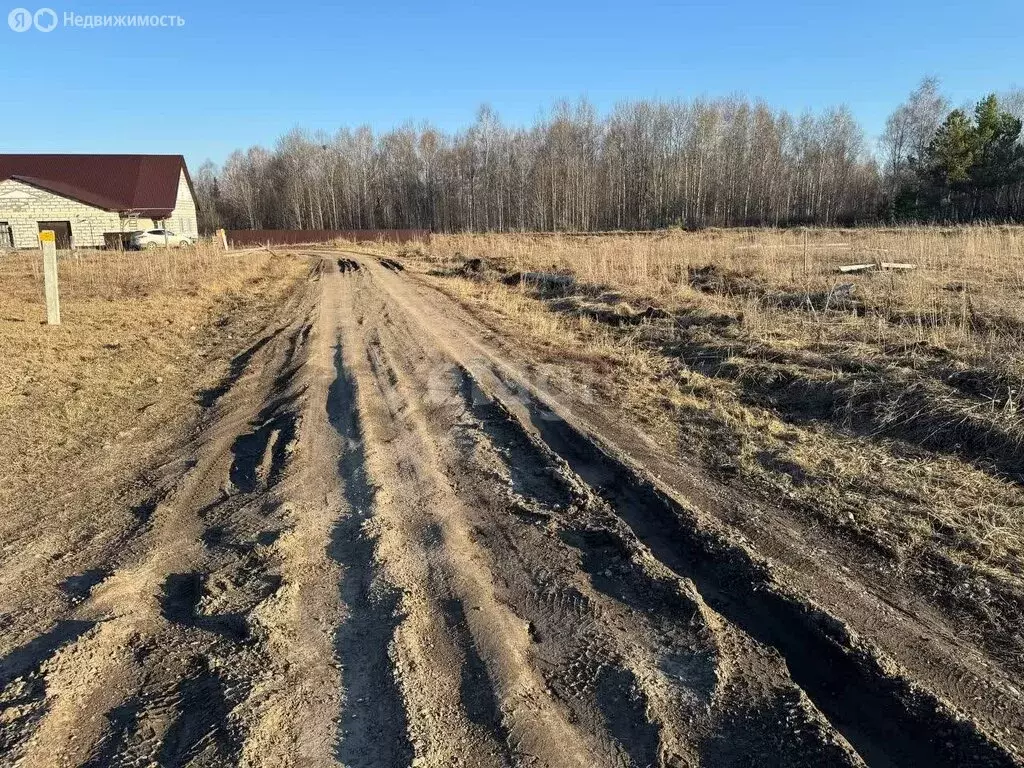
{"points": [[396, 537]]}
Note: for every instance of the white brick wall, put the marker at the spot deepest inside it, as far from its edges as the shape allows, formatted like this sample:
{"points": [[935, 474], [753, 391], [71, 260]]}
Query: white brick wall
{"points": [[23, 206], [183, 219]]}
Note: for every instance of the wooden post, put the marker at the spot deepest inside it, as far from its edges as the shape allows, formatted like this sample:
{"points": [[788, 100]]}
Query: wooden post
{"points": [[807, 268], [48, 241], [222, 235]]}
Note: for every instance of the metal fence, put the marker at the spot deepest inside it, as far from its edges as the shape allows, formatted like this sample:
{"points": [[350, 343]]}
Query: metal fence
{"points": [[250, 237]]}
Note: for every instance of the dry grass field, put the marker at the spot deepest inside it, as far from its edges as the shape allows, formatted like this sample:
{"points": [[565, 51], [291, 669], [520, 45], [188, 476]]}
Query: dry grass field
{"points": [[881, 405]]}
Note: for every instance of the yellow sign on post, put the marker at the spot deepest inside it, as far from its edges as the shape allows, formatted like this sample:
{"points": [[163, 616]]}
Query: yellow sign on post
{"points": [[48, 242]]}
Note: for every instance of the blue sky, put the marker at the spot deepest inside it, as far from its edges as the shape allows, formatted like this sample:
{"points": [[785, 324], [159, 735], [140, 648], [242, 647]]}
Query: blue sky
{"points": [[237, 74]]}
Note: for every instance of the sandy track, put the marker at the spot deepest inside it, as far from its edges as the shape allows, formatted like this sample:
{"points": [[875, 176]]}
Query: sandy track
{"points": [[389, 548]]}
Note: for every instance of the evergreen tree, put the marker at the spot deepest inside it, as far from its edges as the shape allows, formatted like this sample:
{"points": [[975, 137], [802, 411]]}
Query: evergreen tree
{"points": [[950, 155], [970, 169], [999, 154]]}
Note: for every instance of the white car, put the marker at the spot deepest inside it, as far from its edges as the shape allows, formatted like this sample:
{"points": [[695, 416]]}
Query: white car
{"points": [[160, 238]]}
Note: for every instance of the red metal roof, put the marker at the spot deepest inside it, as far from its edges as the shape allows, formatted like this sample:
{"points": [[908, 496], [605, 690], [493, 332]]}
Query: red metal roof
{"points": [[143, 184]]}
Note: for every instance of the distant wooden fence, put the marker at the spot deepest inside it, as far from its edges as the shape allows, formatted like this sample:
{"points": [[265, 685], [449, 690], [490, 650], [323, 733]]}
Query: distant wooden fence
{"points": [[249, 237]]}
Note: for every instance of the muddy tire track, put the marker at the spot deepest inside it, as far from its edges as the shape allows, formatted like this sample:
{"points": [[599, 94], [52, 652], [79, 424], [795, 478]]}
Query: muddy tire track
{"points": [[889, 718], [621, 674], [162, 639]]}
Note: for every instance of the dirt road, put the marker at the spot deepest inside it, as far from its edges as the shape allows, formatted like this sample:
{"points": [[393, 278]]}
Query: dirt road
{"points": [[391, 544]]}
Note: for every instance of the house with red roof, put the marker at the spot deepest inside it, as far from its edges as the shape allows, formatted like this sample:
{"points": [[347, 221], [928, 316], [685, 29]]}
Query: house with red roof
{"points": [[93, 200]]}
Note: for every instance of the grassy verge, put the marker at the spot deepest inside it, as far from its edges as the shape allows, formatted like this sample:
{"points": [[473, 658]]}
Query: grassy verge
{"points": [[142, 333], [881, 405]]}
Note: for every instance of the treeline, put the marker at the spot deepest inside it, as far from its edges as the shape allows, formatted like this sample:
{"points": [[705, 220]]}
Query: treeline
{"points": [[959, 165], [726, 162]]}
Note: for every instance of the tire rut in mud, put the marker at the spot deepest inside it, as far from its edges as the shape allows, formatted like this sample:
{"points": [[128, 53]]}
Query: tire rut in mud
{"points": [[373, 727], [888, 720], [22, 680], [392, 264], [661, 690], [164, 640], [200, 731], [620, 643], [436, 660]]}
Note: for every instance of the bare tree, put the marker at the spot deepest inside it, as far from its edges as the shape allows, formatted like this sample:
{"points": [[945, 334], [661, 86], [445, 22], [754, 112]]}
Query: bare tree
{"points": [[910, 128], [647, 164]]}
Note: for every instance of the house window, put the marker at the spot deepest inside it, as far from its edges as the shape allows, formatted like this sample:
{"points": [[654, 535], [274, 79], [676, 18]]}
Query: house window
{"points": [[6, 235]]}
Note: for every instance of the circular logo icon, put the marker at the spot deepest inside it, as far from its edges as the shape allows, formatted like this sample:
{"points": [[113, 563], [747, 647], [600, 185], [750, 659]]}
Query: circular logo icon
{"points": [[45, 19], [20, 19]]}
